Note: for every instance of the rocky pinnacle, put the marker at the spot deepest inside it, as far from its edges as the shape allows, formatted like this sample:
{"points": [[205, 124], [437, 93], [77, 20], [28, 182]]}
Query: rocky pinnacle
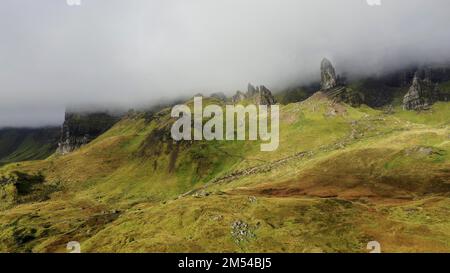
{"points": [[328, 75]]}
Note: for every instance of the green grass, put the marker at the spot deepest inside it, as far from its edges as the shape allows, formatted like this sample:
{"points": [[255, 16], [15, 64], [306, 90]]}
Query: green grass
{"points": [[27, 144], [438, 115], [123, 192]]}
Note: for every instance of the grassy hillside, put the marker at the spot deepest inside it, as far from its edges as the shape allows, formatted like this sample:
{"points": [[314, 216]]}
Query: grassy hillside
{"points": [[342, 177], [27, 144]]}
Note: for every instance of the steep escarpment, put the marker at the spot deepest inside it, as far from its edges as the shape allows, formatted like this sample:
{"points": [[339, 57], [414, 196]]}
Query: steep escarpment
{"points": [[21, 144], [81, 128]]}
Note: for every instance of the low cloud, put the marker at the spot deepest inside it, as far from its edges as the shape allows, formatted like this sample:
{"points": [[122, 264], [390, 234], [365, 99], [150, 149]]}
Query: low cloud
{"points": [[129, 53]]}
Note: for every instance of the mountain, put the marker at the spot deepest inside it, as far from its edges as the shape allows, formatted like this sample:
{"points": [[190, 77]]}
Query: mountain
{"points": [[343, 175]]}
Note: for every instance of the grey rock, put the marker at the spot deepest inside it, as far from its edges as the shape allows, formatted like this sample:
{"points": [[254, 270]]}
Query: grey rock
{"points": [[422, 151], [251, 90], [238, 97], [241, 231], [260, 95], [217, 217], [329, 79], [79, 129], [426, 150], [264, 96], [201, 194], [422, 93]]}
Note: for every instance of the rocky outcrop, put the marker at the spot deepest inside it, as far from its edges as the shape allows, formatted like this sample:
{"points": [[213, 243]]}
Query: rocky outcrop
{"points": [[238, 97], [422, 93], [264, 96], [260, 95], [251, 90], [81, 128], [329, 79], [334, 87]]}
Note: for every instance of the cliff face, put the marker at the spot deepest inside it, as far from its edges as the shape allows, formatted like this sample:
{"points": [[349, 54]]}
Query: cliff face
{"points": [[22, 144], [81, 128]]}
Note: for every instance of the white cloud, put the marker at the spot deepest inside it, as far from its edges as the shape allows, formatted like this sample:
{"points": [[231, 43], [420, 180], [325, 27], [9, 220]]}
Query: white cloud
{"points": [[128, 52]]}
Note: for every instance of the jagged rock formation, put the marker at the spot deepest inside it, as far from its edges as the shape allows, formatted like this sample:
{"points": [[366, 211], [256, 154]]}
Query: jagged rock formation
{"points": [[264, 96], [422, 93], [334, 87], [260, 95], [251, 90], [81, 128], [238, 97], [329, 79]]}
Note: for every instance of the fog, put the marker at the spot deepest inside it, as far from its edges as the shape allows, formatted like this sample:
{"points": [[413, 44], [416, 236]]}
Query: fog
{"points": [[128, 53]]}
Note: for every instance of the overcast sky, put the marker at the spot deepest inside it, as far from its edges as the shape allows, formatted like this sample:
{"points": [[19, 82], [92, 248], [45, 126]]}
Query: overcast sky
{"points": [[128, 52]]}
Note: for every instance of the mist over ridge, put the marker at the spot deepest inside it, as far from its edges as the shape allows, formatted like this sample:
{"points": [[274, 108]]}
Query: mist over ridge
{"points": [[127, 54]]}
